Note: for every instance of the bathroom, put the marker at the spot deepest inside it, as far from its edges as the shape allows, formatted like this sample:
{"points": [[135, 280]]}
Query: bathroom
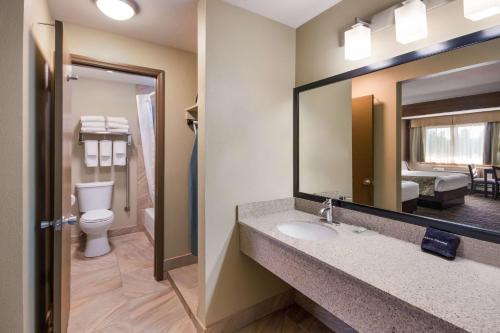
{"points": [[104, 95], [285, 135]]}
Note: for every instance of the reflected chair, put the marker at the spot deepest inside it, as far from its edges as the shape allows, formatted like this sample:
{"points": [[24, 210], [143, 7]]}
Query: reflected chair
{"points": [[496, 178], [475, 180]]}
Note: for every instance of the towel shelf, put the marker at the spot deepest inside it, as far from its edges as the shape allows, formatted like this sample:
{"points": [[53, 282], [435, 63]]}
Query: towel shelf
{"points": [[128, 135]]}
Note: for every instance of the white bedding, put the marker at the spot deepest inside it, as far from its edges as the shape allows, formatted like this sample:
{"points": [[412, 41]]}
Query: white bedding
{"points": [[409, 190], [445, 181]]}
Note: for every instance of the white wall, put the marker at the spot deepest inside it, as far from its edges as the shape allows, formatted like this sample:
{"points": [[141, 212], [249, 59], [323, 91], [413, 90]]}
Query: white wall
{"points": [[245, 138], [325, 140], [180, 92]]}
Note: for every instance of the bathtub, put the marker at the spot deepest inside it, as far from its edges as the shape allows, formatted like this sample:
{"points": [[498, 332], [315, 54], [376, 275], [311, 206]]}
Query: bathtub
{"points": [[149, 221]]}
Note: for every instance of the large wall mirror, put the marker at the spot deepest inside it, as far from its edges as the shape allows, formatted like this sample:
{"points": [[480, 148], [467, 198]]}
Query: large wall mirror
{"points": [[416, 139]]}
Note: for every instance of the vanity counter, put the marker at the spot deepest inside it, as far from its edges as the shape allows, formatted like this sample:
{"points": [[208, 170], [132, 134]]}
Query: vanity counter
{"points": [[374, 276]]}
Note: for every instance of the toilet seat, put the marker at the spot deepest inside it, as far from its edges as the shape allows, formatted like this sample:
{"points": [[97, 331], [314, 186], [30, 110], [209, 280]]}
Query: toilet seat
{"points": [[96, 216]]}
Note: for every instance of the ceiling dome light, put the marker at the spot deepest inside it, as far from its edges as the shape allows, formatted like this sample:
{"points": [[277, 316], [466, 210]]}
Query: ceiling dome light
{"points": [[476, 10], [117, 9], [358, 42], [411, 21]]}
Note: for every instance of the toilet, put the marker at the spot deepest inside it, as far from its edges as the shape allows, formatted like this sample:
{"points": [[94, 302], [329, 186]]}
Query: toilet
{"points": [[94, 200]]}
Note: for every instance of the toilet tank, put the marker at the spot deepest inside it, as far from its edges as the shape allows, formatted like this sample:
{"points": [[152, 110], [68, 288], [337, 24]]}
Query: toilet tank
{"points": [[92, 196]]}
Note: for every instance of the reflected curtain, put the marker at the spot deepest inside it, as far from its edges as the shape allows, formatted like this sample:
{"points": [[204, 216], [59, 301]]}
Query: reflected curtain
{"points": [[145, 113], [416, 145], [488, 143], [495, 143]]}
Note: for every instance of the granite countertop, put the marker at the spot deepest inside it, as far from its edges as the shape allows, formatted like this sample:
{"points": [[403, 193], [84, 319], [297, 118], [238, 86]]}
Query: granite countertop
{"points": [[462, 292]]}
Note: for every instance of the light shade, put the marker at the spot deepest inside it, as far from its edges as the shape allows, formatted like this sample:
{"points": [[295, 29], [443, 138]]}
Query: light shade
{"points": [[411, 21], [117, 9], [358, 42], [476, 10]]}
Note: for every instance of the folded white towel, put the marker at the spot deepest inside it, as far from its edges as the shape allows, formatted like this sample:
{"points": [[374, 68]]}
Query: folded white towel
{"points": [[92, 118], [119, 152], [117, 125], [92, 129], [105, 148], [91, 153], [93, 124], [118, 130], [121, 120]]}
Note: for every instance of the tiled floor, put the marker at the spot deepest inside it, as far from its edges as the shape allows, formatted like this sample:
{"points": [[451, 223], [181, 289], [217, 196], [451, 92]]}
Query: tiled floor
{"points": [[117, 292]]}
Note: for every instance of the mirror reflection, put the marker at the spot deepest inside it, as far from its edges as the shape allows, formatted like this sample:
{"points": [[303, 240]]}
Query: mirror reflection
{"points": [[451, 145], [421, 138]]}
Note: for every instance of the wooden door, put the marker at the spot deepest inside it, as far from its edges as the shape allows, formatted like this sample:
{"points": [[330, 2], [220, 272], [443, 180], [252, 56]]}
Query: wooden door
{"points": [[44, 194], [362, 150], [62, 143]]}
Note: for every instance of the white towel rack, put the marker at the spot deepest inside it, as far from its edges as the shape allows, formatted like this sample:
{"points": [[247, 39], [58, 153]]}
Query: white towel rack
{"points": [[127, 171], [128, 135]]}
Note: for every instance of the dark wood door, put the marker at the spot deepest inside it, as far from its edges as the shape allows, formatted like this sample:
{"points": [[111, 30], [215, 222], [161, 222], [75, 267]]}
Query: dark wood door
{"points": [[54, 195], [63, 136], [362, 150], [44, 194]]}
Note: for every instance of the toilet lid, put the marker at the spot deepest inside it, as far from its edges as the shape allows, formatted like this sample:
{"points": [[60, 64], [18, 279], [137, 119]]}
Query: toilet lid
{"points": [[98, 215]]}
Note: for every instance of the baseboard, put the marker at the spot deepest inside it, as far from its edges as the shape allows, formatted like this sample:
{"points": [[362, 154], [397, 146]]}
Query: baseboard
{"points": [[248, 316], [180, 261], [118, 231], [123, 231]]}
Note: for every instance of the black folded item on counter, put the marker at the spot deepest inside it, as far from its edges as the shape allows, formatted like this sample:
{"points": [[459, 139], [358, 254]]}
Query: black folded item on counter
{"points": [[441, 243]]}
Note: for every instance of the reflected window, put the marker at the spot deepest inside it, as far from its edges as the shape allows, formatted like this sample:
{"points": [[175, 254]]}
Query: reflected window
{"points": [[458, 144]]}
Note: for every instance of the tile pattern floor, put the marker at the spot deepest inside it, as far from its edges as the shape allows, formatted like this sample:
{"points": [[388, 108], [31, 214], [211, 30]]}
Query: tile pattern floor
{"points": [[117, 292], [291, 320]]}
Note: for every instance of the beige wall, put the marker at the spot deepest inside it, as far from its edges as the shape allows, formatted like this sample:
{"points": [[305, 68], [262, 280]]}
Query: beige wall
{"points": [[246, 134], [325, 140], [107, 98], [180, 92], [11, 174], [19, 38], [319, 56]]}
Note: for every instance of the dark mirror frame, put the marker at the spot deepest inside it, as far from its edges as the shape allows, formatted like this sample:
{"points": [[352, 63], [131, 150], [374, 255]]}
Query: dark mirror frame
{"points": [[452, 44]]}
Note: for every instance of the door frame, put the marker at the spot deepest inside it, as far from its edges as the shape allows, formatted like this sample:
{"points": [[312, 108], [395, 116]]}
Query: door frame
{"points": [[159, 75]]}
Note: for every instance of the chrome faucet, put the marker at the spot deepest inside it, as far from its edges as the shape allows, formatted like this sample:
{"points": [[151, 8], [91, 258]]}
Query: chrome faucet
{"points": [[326, 212]]}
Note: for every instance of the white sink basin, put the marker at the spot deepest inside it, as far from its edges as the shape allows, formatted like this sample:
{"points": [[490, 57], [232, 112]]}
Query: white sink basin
{"points": [[306, 230]]}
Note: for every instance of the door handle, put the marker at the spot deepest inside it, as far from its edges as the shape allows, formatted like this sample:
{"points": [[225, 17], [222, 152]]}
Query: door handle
{"points": [[71, 76], [367, 182], [71, 220]]}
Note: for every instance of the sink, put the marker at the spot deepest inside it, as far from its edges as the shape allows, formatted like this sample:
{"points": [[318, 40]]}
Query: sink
{"points": [[306, 230]]}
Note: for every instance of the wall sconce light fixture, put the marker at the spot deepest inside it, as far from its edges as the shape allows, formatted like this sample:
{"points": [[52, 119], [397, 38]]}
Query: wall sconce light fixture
{"points": [[476, 10], [411, 21], [358, 41]]}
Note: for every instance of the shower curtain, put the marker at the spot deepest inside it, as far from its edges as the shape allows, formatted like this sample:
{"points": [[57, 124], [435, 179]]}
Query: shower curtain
{"points": [[145, 114]]}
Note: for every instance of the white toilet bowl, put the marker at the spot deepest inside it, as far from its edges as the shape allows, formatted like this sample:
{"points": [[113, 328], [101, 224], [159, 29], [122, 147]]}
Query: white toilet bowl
{"points": [[95, 225], [94, 201]]}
